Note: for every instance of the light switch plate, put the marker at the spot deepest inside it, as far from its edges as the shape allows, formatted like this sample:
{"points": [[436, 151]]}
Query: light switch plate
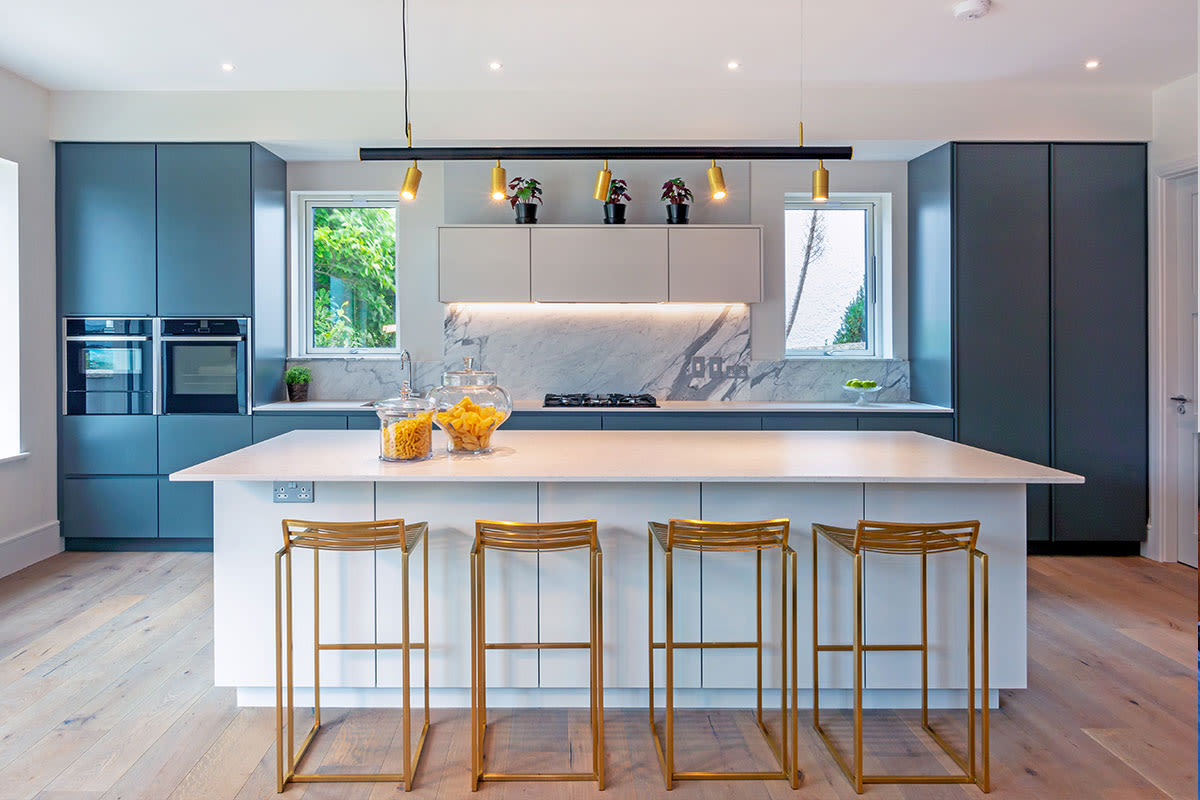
{"points": [[293, 491]]}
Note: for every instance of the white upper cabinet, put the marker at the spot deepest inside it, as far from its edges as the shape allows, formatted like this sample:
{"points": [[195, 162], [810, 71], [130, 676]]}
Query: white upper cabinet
{"points": [[483, 264], [599, 264], [715, 265]]}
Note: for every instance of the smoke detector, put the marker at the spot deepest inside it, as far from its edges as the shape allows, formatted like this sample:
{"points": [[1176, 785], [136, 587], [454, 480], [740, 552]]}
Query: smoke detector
{"points": [[968, 10]]}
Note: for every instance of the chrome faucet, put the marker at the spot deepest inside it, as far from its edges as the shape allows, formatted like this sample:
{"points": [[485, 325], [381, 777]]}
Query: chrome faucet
{"points": [[406, 361]]}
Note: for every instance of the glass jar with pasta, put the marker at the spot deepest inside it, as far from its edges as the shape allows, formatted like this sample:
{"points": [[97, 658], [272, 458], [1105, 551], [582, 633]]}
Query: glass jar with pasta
{"points": [[470, 407], [405, 426]]}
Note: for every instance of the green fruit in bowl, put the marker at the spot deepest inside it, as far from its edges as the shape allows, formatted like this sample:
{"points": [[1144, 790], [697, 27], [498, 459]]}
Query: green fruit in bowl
{"points": [[855, 383]]}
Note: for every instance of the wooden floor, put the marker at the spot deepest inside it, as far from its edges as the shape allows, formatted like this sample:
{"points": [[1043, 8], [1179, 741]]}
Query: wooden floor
{"points": [[106, 676]]}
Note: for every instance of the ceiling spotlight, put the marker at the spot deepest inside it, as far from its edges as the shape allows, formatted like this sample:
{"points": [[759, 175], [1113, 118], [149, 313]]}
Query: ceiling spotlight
{"points": [[1093, 64], [494, 66], [733, 65], [716, 181], [499, 181], [227, 67]]}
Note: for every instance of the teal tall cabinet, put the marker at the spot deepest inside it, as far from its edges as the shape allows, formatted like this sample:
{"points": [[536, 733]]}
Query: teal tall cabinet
{"points": [[167, 230]]}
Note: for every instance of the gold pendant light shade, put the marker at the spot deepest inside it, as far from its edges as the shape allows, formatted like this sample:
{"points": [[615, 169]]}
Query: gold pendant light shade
{"points": [[499, 181], [716, 181], [603, 177], [412, 182], [820, 183]]}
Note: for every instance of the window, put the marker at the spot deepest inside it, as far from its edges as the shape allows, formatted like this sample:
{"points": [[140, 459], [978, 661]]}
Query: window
{"points": [[831, 278], [347, 276], [10, 317]]}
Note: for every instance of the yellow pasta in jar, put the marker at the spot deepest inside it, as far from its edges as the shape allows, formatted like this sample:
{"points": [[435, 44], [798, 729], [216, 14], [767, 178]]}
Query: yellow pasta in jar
{"points": [[408, 439], [470, 425]]}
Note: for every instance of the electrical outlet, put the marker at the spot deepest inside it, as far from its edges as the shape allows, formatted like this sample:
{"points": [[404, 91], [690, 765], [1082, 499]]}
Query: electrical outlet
{"points": [[715, 366], [293, 491], [697, 367]]}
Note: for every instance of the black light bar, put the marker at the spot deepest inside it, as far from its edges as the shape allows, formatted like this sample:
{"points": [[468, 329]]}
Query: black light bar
{"points": [[724, 153]]}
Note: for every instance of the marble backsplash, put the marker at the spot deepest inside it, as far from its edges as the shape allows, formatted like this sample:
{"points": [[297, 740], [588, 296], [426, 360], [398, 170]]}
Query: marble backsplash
{"points": [[672, 352]]}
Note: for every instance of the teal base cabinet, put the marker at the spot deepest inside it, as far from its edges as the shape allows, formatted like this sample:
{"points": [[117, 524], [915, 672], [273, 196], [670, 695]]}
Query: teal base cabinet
{"points": [[682, 421], [553, 421], [185, 510], [810, 422], [940, 426], [108, 445], [110, 508], [187, 440], [268, 426]]}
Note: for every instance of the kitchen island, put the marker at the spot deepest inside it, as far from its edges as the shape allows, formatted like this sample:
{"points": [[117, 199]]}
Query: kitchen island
{"points": [[622, 479]]}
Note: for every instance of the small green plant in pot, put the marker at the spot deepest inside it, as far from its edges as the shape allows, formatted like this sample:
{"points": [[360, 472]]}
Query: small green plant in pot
{"points": [[525, 197], [677, 196], [614, 202], [297, 380]]}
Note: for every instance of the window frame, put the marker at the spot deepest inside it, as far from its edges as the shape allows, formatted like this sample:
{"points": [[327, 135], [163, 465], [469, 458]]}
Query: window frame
{"points": [[876, 207], [301, 305]]}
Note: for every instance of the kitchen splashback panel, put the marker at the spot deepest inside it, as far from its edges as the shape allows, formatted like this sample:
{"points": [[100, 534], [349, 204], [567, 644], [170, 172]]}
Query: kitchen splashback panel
{"points": [[697, 352]]}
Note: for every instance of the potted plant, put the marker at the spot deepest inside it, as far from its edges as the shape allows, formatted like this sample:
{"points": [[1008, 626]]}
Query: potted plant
{"points": [[614, 204], [526, 194], [676, 195], [297, 380]]}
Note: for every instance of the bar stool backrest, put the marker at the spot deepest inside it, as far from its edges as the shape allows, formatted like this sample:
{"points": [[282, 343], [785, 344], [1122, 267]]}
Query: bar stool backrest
{"points": [[696, 534], [529, 536], [909, 538], [384, 534]]}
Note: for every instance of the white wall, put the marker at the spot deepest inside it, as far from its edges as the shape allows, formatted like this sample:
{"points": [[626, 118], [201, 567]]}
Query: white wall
{"points": [[1175, 123], [28, 496]]}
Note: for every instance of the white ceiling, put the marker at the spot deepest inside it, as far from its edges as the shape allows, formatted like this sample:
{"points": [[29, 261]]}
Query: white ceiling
{"points": [[635, 45]]}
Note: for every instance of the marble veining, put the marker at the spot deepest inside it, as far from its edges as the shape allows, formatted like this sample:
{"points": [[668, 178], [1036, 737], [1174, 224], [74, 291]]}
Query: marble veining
{"points": [[674, 353]]}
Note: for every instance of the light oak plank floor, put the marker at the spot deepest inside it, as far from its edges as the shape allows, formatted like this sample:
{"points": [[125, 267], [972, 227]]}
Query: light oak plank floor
{"points": [[106, 693]]}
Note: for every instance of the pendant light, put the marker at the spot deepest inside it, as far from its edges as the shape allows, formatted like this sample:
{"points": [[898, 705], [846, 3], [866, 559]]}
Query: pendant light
{"points": [[716, 181], [499, 181], [412, 176], [603, 177], [820, 183]]}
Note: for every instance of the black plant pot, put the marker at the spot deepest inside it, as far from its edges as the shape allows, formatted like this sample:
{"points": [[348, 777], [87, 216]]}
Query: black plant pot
{"points": [[297, 392], [677, 213], [614, 213], [526, 213]]}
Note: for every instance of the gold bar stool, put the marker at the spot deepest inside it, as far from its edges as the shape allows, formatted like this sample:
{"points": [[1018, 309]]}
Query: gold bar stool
{"points": [[319, 537], [921, 540], [727, 537], [533, 537]]}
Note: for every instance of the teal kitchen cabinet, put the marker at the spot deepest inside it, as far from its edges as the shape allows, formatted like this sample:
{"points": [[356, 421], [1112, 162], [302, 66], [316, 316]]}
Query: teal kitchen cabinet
{"points": [[941, 426], [106, 229], [185, 440], [682, 421], [205, 230], [110, 508], [808, 422], [108, 444], [268, 426], [185, 510]]}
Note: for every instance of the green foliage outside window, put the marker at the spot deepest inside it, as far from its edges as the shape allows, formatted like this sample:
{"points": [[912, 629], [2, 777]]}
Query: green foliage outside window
{"points": [[852, 330], [354, 277]]}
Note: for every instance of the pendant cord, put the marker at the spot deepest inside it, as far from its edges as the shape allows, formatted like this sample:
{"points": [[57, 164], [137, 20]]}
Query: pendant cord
{"points": [[404, 58]]}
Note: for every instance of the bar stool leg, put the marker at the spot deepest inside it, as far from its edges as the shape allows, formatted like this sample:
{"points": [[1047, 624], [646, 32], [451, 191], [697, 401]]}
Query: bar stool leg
{"points": [[279, 672], [783, 659], [924, 640], [474, 674], [670, 678], [986, 784], [406, 677], [599, 680], [858, 673], [795, 768], [758, 650], [317, 637], [816, 653], [291, 694]]}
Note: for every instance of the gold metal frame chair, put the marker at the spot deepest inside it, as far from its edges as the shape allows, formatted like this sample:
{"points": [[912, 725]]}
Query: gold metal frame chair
{"points": [[533, 537], [727, 537], [908, 539], [342, 537]]}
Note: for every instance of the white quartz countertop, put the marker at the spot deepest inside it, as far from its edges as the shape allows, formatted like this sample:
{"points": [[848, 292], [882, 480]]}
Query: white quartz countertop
{"points": [[749, 406], [634, 456]]}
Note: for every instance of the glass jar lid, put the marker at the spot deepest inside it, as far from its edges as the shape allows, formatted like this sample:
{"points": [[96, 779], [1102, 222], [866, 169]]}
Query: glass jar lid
{"points": [[468, 375], [408, 402]]}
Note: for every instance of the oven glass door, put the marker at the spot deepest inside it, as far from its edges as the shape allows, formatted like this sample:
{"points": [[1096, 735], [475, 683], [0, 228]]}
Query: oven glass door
{"points": [[202, 377], [109, 376]]}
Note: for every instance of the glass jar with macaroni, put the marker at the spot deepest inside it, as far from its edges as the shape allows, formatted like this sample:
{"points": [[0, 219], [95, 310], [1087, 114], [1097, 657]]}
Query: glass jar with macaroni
{"points": [[405, 426]]}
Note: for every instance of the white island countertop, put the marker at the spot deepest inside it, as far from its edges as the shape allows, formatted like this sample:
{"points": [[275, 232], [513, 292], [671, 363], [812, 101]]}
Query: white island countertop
{"points": [[690, 406], [634, 457]]}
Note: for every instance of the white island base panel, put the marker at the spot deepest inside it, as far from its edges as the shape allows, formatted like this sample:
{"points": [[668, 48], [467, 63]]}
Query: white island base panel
{"points": [[543, 597]]}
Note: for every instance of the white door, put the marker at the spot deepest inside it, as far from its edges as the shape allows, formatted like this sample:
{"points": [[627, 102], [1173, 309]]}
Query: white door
{"points": [[1189, 468]]}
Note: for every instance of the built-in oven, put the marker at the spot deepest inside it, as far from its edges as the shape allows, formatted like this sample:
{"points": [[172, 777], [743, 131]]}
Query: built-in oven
{"points": [[108, 366], [205, 366]]}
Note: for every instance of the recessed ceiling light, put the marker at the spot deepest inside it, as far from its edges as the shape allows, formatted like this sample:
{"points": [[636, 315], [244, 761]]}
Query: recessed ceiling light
{"points": [[1093, 64], [733, 65], [227, 67], [494, 66]]}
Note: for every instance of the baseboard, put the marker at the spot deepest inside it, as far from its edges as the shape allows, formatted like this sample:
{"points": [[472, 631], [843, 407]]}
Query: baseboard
{"points": [[29, 547], [139, 545], [1083, 548]]}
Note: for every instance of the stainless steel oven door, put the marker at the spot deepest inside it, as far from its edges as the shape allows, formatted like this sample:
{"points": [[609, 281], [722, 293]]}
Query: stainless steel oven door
{"points": [[204, 375], [108, 373]]}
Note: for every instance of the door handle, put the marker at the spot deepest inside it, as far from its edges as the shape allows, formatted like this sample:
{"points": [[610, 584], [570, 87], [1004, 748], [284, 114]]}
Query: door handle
{"points": [[1181, 403]]}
